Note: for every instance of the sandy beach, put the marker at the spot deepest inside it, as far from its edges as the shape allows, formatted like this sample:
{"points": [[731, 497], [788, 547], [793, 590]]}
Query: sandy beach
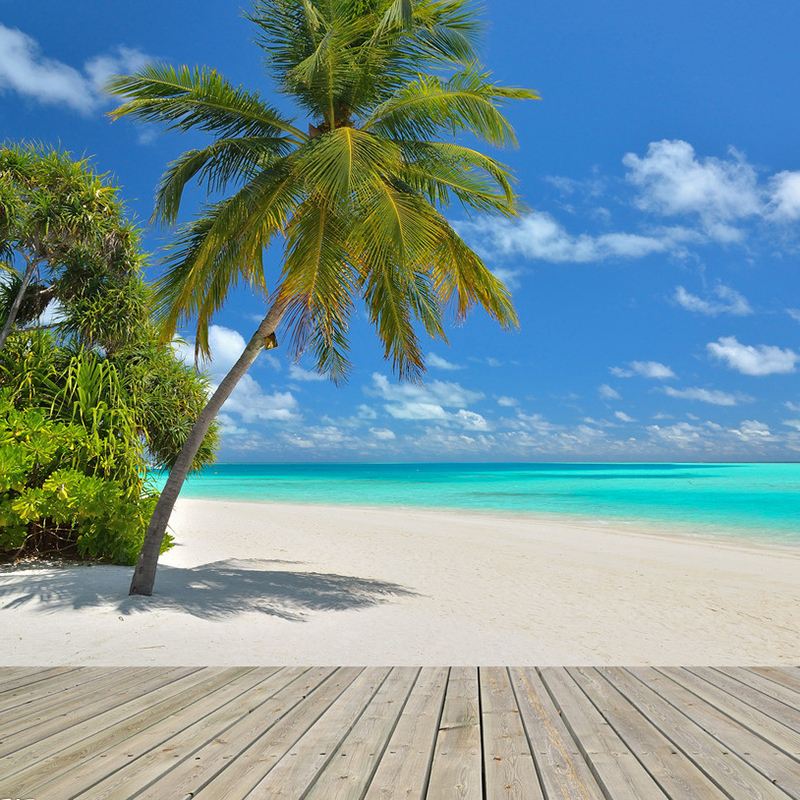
{"points": [[289, 584]]}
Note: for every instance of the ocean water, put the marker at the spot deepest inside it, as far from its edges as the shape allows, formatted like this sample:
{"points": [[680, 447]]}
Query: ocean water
{"points": [[753, 501]]}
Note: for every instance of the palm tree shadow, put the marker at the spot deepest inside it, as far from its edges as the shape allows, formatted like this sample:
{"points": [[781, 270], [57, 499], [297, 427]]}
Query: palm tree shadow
{"points": [[218, 590]]}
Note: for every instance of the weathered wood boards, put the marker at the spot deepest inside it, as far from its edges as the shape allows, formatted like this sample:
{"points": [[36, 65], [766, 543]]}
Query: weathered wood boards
{"points": [[436, 733]]}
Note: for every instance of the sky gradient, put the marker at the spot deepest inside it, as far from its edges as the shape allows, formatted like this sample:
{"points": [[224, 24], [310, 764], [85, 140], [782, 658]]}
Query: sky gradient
{"points": [[655, 270]]}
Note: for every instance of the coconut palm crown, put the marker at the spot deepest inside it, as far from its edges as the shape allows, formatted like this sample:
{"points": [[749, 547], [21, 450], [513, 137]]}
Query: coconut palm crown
{"points": [[392, 93]]}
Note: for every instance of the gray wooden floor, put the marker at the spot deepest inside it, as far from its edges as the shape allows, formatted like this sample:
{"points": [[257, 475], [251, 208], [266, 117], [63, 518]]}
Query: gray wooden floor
{"points": [[383, 734]]}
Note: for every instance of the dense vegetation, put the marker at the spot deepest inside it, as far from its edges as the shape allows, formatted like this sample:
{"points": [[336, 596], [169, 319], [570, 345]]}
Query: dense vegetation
{"points": [[91, 401]]}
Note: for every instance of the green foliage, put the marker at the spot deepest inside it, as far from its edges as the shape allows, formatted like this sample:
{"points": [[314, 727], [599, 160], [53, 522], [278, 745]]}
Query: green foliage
{"points": [[88, 407], [71, 488]]}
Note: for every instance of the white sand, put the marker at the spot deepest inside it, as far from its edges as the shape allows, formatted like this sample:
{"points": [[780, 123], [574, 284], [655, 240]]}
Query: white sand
{"points": [[288, 584]]}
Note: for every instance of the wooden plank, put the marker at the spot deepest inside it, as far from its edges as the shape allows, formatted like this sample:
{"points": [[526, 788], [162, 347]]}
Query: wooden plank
{"points": [[403, 770], [790, 717], [32, 691], [147, 765], [614, 766], [243, 773], [678, 776], [12, 678], [87, 697], [745, 715], [352, 765], [456, 767], [199, 768], [138, 683], [786, 697], [507, 760], [785, 677], [727, 770], [774, 765], [151, 716], [296, 770], [564, 774]]}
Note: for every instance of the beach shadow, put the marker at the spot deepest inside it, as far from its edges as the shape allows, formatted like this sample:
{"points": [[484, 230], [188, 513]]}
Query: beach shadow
{"points": [[218, 590]]}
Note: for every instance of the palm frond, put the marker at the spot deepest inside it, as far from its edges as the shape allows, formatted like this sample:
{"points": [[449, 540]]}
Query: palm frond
{"points": [[201, 98], [318, 281], [429, 105], [463, 280], [222, 246], [222, 162]]}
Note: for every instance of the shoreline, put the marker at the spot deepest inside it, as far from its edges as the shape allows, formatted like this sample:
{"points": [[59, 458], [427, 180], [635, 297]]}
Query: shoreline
{"points": [[281, 583], [666, 529]]}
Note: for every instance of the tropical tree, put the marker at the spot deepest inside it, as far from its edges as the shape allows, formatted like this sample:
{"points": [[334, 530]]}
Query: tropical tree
{"points": [[59, 222], [88, 405], [357, 197]]}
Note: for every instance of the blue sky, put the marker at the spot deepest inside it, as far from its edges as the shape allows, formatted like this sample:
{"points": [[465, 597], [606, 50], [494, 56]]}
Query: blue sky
{"points": [[655, 273]]}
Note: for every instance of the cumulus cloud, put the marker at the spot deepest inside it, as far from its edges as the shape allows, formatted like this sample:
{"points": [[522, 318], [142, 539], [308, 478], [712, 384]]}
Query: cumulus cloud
{"points": [[252, 403], [645, 369], [437, 362], [383, 434], [623, 417], [537, 235], [507, 402], [297, 373], [444, 393], [25, 70], [248, 399], [761, 359], [713, 396], [672, 180], [785, 202], [752, 430], [607, 393], [730, 302]]}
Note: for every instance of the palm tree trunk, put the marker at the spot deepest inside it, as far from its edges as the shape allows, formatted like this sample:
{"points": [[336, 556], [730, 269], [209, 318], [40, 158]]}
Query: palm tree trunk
{"points": [[144, 574], [12, 314]]}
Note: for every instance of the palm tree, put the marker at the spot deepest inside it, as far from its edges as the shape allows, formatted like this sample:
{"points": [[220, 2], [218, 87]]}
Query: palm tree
{"points": [[357, 199]]}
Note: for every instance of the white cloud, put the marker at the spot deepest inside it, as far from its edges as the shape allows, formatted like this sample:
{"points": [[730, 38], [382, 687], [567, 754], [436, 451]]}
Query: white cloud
{"points": [[443, 393], [607, 393], [297, 373], [672, 180], [472, 421], [250, 401], [792, 423], [682, 434], [416, 410], [366, 412], [749, 360], [247, 399], [752, 430], [123, 61], [730, 302], [537, 235], [383, 434], [785, 201], [713, 396], [508, 402], [25, 70], [439, 363], [794, 313], [645, 369], [792, 406], [621, 415]]}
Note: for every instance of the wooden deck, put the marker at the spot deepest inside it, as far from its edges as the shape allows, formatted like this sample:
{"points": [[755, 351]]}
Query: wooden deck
{"points": [[462, 733]]}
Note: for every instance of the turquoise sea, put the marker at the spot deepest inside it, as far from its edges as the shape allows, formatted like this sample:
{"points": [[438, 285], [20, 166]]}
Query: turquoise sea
{"points": [[743, 500]]}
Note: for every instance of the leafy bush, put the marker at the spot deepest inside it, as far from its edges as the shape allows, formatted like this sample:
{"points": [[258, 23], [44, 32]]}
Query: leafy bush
{"points": [[65, 488]]}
